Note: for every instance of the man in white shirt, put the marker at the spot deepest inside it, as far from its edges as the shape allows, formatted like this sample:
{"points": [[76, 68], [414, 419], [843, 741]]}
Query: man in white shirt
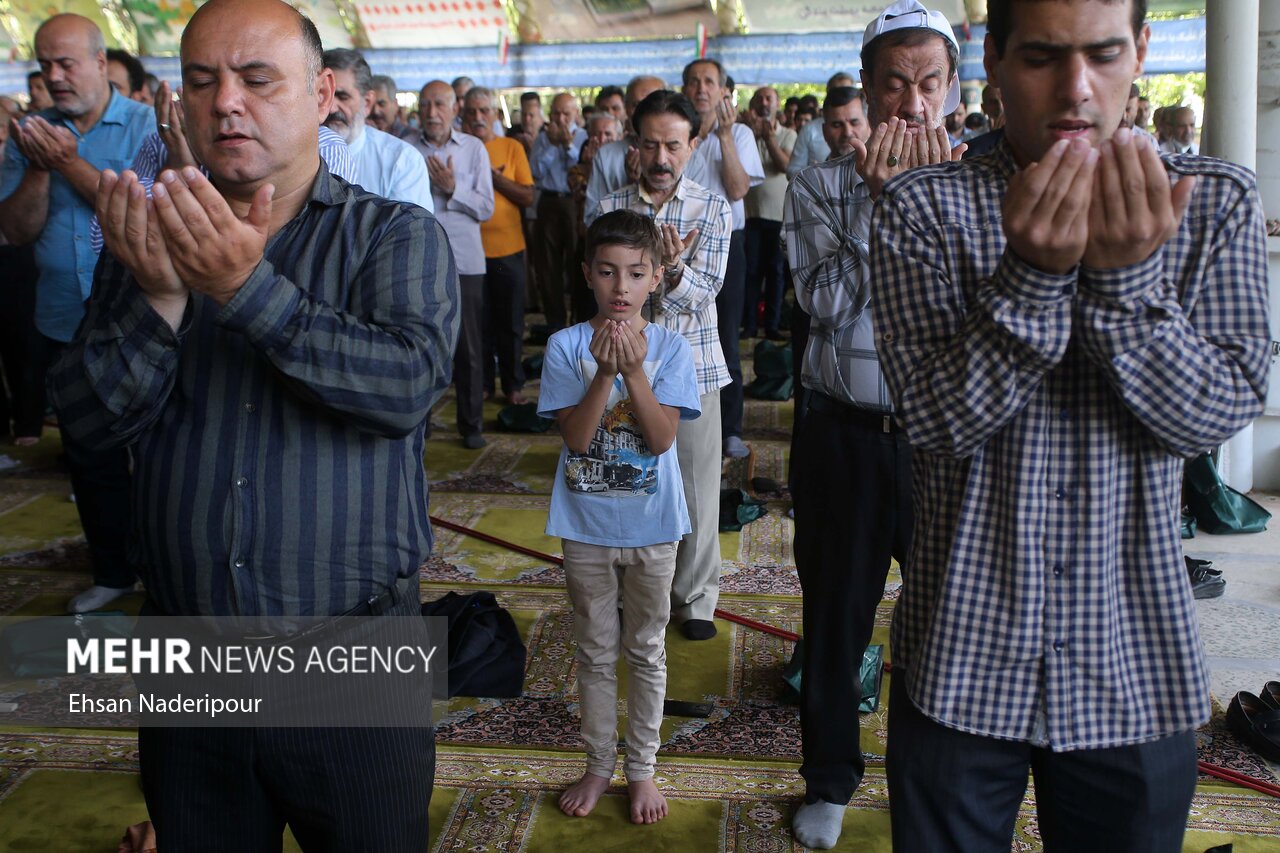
{"points": [[731, 166], [385, 165], [1182, 132], [811, 147]]}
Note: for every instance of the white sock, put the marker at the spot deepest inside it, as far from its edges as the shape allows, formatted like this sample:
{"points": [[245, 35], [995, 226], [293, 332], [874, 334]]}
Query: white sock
{"points": [[95, 598], [817, 825]]}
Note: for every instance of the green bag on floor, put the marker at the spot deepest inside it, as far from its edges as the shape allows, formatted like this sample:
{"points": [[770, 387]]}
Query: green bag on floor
{"points": [[738, 509], [37, 648], [1217, 507], [870, 673]]}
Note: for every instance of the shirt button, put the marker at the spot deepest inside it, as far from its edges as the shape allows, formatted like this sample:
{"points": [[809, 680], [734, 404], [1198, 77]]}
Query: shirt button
{"points": [[1057, 571], [241, 562], [1060, 494], [1059, 645], [242, 482], [1065, 414], [250, 408], [887, 337]]}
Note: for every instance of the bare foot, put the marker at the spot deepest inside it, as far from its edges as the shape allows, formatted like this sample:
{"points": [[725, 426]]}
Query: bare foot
{"points": [[139, 838], [647, 803], [582, 796]]}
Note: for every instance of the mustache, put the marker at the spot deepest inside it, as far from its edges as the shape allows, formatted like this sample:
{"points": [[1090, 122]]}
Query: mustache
{"points": [[660, 170], [336, 116]]}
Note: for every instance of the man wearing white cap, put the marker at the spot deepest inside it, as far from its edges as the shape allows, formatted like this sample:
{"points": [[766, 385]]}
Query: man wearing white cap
{"points": [[851, 466]]}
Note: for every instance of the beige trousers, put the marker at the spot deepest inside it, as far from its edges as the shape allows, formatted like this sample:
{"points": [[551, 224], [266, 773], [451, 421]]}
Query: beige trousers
{"points": [[696, 588], [596, 574]]}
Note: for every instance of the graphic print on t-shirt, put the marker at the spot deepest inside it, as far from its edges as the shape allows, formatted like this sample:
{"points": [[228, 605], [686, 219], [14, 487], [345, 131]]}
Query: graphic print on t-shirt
{"points": [[618, 464]]}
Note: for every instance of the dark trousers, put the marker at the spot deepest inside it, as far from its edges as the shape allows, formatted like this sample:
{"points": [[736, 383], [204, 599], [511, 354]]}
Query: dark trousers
{"points": [[954, 791], [468, 358], [557, 247], [21, 398], [852, 497], [764, 273], [729, 316], [339, 790], [100, 481], [504, 283]]}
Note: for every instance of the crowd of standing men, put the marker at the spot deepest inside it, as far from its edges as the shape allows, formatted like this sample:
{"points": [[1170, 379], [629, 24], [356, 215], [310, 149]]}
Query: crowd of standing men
{"points": [[1002, 355]]}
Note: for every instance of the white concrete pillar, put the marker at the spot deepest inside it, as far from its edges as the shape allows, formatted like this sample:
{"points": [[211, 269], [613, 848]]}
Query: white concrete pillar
{"points": [[1230, 131], [1266, 450]]}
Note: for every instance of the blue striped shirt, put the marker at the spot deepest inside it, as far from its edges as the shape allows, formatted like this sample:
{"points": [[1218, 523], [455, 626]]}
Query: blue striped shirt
{"points": [[1045, 598], [277, 440]]}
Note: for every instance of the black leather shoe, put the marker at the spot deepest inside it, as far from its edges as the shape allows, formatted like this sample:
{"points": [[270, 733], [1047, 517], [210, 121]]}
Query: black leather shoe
{"points": [[1270, 694], [1206, 581], [1256, 723], [698, 629]]}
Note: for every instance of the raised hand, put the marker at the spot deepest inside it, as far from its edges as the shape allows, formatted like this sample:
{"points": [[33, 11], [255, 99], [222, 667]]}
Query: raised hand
{"points": [[54, 145], [131, 232], [1133, 211], [442, 174], [673, 247], [725, 116], [604, 350], [170, 121], [1046, 208], [633, 164], [934, 146], [213, 250], [631, 347], [885, 154]]}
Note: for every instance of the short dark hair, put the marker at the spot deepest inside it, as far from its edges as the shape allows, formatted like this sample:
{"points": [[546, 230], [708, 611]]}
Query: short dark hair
{"points": [[792, 100], [837, 77], [132, 66], [385, 84], [688, 69], [346, 59], [525, 97], [842, 95], [609, 92], [807, 111], [662, 101], [33, 75], [906, 37], [808, 101], [1133, 90], [1000, 18], [623, 227]]}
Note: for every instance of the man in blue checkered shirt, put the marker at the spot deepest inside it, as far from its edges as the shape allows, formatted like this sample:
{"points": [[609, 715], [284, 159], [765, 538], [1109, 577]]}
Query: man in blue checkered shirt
{"points": [[1062, 322]]}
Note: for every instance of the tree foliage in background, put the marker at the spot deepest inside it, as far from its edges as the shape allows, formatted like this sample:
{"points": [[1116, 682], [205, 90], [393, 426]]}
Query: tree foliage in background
{"points": [[1167, 90]]}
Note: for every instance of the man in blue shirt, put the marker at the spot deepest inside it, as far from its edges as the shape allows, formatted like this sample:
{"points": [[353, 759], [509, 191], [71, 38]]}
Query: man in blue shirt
{"points": [[50, 176], [554, 151]]}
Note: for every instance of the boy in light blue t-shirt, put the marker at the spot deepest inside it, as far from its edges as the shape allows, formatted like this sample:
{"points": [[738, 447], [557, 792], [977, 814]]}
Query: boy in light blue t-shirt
{"points": [[618, 385]]}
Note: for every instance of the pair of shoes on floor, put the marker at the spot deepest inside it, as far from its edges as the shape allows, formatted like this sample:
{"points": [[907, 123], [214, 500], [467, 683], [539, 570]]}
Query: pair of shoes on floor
{"points": [[736, 448], [698, 629], [1256, 719], [473, 441], [1206, 581], [95, 598]]}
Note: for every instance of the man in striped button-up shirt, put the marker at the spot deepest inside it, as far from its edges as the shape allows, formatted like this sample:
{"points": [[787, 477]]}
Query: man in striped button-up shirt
{"points": [[695, 224], [270, 355], [1059, 329], [851, 464]]}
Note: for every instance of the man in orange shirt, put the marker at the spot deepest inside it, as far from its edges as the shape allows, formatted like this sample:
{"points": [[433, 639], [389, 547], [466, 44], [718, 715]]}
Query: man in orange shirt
{"points": [[503, 239]]}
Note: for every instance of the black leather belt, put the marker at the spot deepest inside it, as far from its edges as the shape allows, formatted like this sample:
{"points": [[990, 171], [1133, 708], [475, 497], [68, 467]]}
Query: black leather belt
{"points": [[881, 422]]}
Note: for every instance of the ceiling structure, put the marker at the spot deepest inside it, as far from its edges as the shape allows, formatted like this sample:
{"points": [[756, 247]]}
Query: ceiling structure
{"points": [[509, 43]]}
